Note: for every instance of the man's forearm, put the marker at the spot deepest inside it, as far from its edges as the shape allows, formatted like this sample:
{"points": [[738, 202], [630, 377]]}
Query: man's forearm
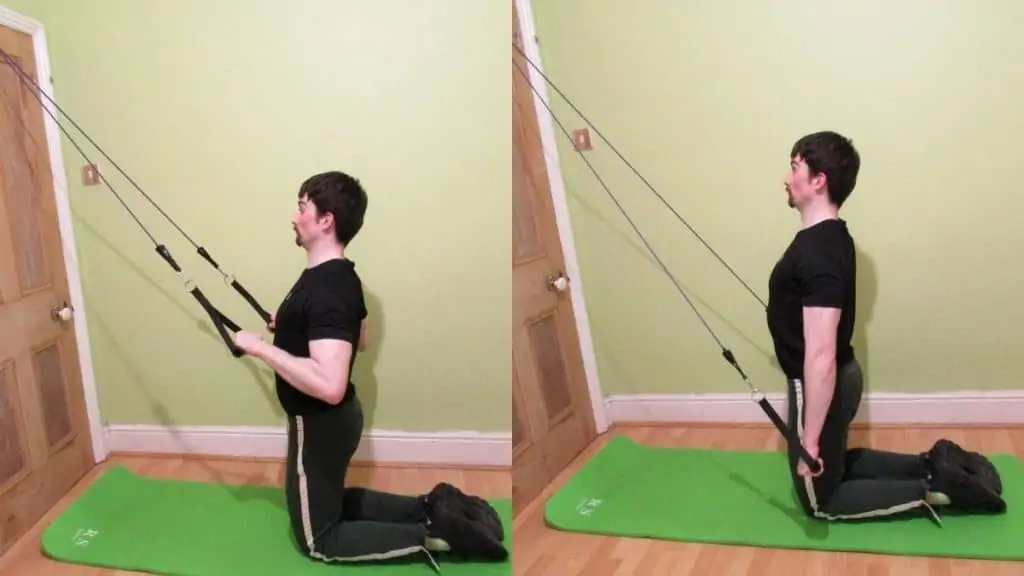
{"points": [[819, 387], [302, 373]]}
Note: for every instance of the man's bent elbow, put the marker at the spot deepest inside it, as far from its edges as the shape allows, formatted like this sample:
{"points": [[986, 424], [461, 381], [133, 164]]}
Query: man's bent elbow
{"points": [[334, 394]]}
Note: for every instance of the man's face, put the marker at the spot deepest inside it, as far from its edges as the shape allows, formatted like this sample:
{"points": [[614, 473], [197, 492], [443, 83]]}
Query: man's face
{"points": [[801, 187], [308, 226]]}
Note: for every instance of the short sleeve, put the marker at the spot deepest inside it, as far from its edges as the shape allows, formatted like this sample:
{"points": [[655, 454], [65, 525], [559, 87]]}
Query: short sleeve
{"points": [[822, 283], [333, 317]]}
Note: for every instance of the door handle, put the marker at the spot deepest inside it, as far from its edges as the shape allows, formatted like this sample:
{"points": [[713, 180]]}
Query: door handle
{"points": [[62, 312], [559, 283]]}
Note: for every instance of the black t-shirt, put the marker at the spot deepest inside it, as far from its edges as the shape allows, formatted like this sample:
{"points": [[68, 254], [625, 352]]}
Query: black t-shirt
{"points": [[325, 303], [818, 269]]}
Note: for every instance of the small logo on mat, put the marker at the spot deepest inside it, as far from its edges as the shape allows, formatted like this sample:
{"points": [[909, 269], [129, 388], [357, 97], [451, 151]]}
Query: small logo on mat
{"points": [[83, 537], [588, 506]]}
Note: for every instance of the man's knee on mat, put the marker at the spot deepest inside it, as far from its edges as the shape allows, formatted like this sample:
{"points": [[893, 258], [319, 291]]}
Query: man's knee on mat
{"points": [[814, 493], [815, 508], [300, 542]]}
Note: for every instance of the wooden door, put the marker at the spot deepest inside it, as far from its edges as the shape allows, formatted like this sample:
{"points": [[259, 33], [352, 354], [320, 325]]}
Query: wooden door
{"points": [[553, 420], [45, 444]]}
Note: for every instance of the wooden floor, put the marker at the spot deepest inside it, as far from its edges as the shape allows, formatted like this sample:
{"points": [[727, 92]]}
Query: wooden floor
{"points": [[27, 559], [540, 551]]}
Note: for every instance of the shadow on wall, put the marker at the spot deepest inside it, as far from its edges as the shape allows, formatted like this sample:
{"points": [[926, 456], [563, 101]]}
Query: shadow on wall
{"points": [[629, 237], [867, 295], [202, 323], [364, 375]]}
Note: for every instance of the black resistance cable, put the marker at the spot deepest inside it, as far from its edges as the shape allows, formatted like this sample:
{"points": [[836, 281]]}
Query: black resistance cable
{"points": [[757, 395], [221, 322]]}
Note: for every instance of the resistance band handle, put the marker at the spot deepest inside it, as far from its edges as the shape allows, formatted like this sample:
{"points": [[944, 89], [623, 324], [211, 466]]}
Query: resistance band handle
{"points": [[238, 287], [219, 322], [252, 301], [219, 319], [791, 439], [228, 323]]}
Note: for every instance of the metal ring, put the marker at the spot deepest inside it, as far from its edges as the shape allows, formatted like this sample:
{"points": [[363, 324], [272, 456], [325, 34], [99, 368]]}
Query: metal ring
{"points": [[189, 284]]}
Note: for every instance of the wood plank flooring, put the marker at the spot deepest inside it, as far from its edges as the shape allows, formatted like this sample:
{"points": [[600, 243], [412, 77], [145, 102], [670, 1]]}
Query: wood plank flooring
{"points": [[540, 551]]}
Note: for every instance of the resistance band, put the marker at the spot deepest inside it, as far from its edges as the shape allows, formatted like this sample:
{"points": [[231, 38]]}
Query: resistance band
{"points": [[221, 322], [756, 394]]}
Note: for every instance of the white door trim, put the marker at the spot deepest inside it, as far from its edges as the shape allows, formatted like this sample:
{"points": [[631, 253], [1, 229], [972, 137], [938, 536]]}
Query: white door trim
{"points": [[561, 204], [34, 28]]}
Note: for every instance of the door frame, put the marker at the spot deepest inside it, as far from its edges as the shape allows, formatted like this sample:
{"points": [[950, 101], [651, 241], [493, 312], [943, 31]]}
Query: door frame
{"points": [[34, 28], [556, 185]]}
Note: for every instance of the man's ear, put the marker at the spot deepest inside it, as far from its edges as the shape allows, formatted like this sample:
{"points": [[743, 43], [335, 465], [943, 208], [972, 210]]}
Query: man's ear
{"points": [[327, 220], [820, 182]]}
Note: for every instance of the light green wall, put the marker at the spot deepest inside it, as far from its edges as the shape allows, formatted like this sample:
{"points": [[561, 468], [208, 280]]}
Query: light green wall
{"points": [[705, 98], [219, 111]]}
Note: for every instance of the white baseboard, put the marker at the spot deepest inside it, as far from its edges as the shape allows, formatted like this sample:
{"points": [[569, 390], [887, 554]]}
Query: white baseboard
{"points": [[953, 408], [467, 449]]}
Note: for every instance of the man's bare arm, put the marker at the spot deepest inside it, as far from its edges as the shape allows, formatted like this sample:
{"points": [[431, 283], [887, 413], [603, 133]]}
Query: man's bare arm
{"points": [[324, 375], [820, 332]]}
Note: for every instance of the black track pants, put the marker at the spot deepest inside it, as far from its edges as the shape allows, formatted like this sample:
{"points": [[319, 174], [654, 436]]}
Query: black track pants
{"points": [[859, 483], [334, 523]]}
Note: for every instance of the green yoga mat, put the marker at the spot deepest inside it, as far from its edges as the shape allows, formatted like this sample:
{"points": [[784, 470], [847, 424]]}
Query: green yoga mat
{"points": [[746, 498], [130, 522]]}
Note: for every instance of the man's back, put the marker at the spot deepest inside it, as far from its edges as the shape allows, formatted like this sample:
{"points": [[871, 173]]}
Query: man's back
{"points": [[819, 268]]}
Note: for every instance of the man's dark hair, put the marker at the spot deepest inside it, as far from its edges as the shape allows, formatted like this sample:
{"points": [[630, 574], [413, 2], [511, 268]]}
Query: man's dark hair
{"points": [[341, 195], [831, 154]]}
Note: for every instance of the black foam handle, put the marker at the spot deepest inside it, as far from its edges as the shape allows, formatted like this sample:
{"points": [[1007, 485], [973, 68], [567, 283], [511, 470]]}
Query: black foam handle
{"points": [[220, 322], [252, 301], [791, 438]]}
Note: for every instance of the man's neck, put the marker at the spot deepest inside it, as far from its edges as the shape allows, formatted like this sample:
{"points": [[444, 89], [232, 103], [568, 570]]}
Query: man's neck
{"points": [[815, 214], [320, 253]]}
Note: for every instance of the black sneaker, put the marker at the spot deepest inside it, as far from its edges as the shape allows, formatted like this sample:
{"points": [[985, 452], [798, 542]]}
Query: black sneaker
{"points": [[472, 507], [970, 481], [946, 453], [467, 539]]}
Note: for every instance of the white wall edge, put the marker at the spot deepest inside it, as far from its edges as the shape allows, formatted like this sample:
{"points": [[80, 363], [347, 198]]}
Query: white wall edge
{"points": [[561, 205], [968, 407], [462, 448], [34, 28]]}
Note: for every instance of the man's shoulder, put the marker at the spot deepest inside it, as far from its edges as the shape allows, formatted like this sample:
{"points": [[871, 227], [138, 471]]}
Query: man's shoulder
{"points": [[825, 236], [337, 286], [336, 275], [826, 253]]}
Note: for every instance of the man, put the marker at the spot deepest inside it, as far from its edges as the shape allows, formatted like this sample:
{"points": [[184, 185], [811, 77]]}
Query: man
{"points": [[811, 314], [318, 330]]}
